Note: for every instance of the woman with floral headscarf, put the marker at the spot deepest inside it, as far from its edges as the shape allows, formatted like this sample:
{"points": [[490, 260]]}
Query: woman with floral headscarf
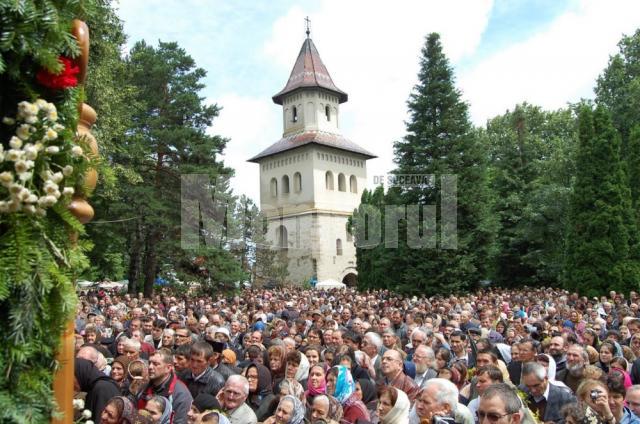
{"points": [[340, 384], [120, 410], [290, 411]]}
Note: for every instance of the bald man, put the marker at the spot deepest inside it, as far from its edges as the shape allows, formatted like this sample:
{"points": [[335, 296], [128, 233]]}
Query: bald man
{"points": [[392, 366]]}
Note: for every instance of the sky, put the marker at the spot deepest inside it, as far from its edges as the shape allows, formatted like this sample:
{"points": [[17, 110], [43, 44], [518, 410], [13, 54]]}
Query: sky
{"points": [[504, 52]]}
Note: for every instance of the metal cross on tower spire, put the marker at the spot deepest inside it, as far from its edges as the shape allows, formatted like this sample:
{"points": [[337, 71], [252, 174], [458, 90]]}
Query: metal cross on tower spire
{"points": [[308, 24]]}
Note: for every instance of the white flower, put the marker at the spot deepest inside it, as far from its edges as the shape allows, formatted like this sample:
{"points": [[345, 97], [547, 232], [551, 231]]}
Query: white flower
{"points": [[24, 131], [15, 189], [31, 119], [88, 422], [4, 206], [52, 115], [67, 170], [68, 191], [15, 142], [14, 155], [41, 212], [30, 209], [6, 178], [32, 199], [86, 413], [8, 121], [25, 176], [41, 104], [57, 177], [14, 206], [76, 151], [57, 194], [26, 109], [21, 166], [58, 127], [52, 150], [50, 187], [1, 157], [46, 201], [50, 135], [24, 195], [30, 151], [39, 146]]}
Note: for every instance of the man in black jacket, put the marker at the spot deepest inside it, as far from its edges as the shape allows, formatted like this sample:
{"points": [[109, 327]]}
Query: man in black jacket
{"points": [[200, 377]]}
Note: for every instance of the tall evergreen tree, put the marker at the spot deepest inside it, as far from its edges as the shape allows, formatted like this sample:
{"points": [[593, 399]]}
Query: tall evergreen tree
{"points": [[440, 141], [601, 251], [618, 87], [529, 196], [168, 138]]}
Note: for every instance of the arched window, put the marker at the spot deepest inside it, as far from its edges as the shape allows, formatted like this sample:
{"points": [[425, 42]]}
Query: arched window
{"points": [[294, 114], [281, 234], [297, 182], [327, 112], [285, 184], [342, 183], [338, 247], [353, 184], [274, 187], [328, 179]]}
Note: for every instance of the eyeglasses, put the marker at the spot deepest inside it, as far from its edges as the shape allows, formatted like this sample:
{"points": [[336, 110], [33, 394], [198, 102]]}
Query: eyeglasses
{"points": [[181, 335], [492, 417]]}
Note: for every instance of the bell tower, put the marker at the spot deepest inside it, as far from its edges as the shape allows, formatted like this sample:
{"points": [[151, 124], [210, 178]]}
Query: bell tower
{"points": [[312, 178]]}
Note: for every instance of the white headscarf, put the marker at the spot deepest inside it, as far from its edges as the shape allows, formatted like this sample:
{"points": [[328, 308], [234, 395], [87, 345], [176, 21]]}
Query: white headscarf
{"points": [[399, 414]]}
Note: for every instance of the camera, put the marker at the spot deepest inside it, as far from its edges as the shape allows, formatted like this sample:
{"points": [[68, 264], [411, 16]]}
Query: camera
{"points": [[594, 394]]}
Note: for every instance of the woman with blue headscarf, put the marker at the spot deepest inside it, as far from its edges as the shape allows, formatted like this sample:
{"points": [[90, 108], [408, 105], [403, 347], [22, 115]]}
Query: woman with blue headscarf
{"points": [[340, 384]]}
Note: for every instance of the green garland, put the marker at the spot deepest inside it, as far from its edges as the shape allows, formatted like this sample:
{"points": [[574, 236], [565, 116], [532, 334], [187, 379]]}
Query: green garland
{"points": [[38, 263]]}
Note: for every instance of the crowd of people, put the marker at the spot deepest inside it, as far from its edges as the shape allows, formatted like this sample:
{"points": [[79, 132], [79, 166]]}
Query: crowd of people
{"points": [[292, 356]]}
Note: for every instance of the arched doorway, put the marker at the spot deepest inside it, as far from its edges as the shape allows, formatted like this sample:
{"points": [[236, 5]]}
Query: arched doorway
{"points": [[351, 279]]}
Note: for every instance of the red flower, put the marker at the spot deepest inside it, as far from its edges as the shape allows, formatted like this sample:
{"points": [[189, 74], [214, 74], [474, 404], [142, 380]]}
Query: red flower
{"points": [[65, 79]]}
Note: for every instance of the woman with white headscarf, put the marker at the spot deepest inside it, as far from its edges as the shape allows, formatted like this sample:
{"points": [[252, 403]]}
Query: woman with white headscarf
{"points": [[549, 364], [393, 406], [290, 411]]}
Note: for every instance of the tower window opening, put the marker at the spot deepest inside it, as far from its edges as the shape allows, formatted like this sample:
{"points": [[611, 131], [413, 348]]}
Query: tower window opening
{"points": [[327, 112], [294, 114]]}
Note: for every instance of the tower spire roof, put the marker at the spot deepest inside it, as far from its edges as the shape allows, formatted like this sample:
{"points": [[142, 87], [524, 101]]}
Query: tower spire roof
{"points": [[309, 72]]}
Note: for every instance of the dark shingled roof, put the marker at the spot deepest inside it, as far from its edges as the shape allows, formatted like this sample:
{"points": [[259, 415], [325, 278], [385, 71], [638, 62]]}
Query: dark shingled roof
{"points": [[312, 137], [309, 72]]}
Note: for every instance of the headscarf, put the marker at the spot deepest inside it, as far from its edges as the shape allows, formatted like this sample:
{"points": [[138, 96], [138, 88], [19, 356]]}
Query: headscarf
{"points": [[626, 378], [399, 414], [130, 414], [206, 401], [264, 379], [293, 388], [166, 414], [230, 356], [297, 414], [345, 386], [313, 391], [335, 408], [369, 393], [222, 419]]}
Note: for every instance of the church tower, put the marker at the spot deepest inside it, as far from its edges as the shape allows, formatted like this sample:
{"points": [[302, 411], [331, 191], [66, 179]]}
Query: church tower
{"points": [[312, 179]]}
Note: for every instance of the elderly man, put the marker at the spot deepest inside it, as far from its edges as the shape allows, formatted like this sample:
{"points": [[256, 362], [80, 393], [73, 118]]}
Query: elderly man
{"points": [[232, 400], [499, 404], [544, 399], [577, 360], [633, 399], [200, 377], [424, 359], [439, 398], [393, 375], [372, 346], [164, 382]]}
